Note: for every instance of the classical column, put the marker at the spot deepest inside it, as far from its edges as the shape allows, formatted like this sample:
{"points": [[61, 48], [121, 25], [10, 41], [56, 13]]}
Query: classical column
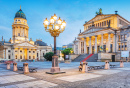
{"points": [[13, 53], [96, 44], [39, 54], [6, 53], [27, 54], [85, 46], [102, 40], [90, 46], [79, 47], [108, 43], [18, 53], [114, 43]]}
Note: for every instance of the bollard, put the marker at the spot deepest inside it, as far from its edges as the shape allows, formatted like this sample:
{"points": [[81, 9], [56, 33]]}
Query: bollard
{"points": [[25, 68], [121, 64], [8, 65], [15, 67], [84, 69], [107, 66]]}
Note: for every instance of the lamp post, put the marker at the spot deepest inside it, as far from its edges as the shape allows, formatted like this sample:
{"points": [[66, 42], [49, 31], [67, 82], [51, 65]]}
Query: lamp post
{"points": [[54, 27]]}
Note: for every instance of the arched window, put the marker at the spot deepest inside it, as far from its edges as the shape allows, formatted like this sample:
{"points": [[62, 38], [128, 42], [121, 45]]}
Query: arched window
{"points": [[33, 57], [9, 56], [29, 57], [20, 56], [15, 56]]}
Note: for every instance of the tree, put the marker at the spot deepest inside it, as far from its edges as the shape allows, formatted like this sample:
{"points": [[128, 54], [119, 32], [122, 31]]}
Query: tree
{"points": [[48, 56], [66, 51]]}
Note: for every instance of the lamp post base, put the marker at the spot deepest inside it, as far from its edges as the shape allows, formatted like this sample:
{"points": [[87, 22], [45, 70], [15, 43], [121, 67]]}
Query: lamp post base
{"points": [[55, 66]]}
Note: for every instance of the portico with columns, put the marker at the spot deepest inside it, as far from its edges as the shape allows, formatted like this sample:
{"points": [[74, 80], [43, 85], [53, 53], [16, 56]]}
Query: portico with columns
{"points": [[91, 43]]}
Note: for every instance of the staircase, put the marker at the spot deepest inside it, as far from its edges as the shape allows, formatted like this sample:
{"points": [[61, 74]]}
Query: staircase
{"points": [[86, 57]]}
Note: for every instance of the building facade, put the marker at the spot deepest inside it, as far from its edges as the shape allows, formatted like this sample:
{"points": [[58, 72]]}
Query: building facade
{"points": [[20, 47], [102, 34]]}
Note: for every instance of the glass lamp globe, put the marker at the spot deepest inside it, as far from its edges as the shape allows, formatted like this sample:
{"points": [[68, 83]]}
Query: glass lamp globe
{"points": [[59, 21], [55, 17], [52, 20], [46, 22], [64, 23]]}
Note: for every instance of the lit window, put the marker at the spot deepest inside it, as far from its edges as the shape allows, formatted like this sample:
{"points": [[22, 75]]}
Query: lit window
{"points": [[29, 57], [119, 38], [119, 46], [21, 57], [125, 46]]}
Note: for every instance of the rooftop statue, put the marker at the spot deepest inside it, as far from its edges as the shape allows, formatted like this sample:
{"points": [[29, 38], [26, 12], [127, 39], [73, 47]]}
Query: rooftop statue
{"points": [[100, 12]]}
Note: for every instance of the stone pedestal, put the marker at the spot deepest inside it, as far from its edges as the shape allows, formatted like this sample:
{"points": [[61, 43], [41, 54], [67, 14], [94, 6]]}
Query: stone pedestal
{"points": [[25, 68], [84, 69], [8, 65], [15, 67], [55, 66], [107, 66], [121, 64]]}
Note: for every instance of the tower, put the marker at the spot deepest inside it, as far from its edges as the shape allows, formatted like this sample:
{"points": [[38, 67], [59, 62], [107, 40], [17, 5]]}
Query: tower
{"points": [[20, 27]]}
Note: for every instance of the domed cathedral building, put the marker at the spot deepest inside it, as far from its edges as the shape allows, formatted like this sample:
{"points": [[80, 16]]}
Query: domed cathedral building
{"points": [[20, 47], [105, 36]]}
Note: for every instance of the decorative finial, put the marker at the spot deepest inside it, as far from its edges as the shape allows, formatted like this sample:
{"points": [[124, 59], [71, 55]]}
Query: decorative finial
{"points": [[80, 30], [116, 12], [2, 38], [20, 6]]}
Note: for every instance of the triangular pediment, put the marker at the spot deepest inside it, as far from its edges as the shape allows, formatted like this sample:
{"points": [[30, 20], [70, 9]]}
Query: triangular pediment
{"points": [[99, 17], [24, 44]]}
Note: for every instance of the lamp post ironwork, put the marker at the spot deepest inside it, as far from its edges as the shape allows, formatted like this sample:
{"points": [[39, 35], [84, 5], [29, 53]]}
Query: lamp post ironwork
{"points": [[54, 27]]}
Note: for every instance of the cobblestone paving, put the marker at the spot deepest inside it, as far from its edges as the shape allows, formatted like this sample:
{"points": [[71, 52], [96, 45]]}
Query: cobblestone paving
{"points": [[113, 78]]}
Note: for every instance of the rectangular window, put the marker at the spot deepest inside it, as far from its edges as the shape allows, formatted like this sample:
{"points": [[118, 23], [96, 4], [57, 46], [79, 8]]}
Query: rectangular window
{"points": [[125, 46], [33, 57], [98, 24], [29, 57], [29, 51], [119, 38], [15, 50], [9, 56], [33, 51], [20, 56], [125, 37], [37, 54], [8, 50], [119, 46], [16, 57], [102, 24], [20, 50], [122, 46]]}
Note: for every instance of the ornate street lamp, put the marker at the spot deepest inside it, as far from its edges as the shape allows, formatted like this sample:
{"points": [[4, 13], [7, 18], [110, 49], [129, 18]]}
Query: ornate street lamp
{"points": [[54, 27]]}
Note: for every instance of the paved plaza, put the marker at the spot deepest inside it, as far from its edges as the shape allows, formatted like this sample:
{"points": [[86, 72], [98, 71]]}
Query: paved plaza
{"points": [[113, 78]]}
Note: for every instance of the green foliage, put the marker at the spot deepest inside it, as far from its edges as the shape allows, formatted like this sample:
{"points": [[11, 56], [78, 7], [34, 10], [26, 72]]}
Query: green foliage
{"points": [[66, 51], [48, 56]]}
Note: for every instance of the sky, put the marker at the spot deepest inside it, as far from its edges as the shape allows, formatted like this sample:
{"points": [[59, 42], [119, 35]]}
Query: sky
{"points": [[74, 12]]}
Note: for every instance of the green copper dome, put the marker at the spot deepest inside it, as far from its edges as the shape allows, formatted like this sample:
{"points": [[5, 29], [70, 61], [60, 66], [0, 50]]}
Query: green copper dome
{"points": [[20, 14]]}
